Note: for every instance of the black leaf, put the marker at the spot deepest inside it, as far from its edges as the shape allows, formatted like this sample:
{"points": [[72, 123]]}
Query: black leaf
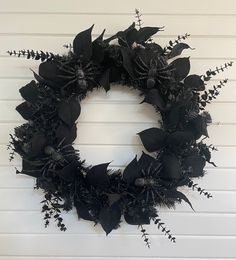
{"points": [[182, 68], [180, 137], [145, 33], [98, 49], [154, 98], [82, 45], [30, 169], [83, 211], [153, 139], [194, 82], [177, 49], [104, 81], [137, 218], [66, 133], [178, 195], [26, 110], [109, 217], [98, 177], [69, 172], [132, 171], [145, 161], [30, 92], [127, 63], [38, 143], [69, 111]]}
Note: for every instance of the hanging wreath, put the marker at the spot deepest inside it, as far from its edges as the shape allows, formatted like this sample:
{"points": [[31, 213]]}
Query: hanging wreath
{"points": [[176, 151]]}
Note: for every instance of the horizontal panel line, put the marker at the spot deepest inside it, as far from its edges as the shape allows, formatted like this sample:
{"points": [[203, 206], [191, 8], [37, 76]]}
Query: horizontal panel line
{"points": [[114, 13], [73, 34]]}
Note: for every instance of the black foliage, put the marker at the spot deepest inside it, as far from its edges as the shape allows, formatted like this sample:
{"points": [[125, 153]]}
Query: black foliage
{"points": [[51, 107]]}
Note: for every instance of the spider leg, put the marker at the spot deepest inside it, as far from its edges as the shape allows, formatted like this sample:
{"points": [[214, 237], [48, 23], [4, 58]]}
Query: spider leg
{"points": [[144, 65], [61, 142], [68, 71], [147, 196], [66, 77], [69, 83]]}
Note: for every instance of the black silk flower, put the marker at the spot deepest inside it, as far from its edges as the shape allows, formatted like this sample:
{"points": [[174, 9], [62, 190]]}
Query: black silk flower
{"points": [[173, 155]]}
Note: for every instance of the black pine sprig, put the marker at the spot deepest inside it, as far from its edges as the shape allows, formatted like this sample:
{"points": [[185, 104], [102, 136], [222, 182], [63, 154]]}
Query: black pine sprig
{"points": [[195, 187], [31, 54], [171, 44], [145, 236], [212, 93], [210, 73], [161, 226]]}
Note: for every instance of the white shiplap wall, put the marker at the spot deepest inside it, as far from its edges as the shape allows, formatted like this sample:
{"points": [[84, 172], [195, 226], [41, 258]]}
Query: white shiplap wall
{"points": [[208, 233]]}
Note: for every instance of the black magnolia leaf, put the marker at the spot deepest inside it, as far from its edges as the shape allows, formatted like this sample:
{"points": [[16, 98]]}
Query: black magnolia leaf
{"points": [[69, 111], [127, 62], [28, 168], [154, 98], [153, 139], [104, 81], [175, 194], [177, 49], [132, 171], [83, 211], [82, 45], [66, 133], [178, 138], [69, 172], [145, 161], [137, 218], [98, 177], [109, 217], [30, 92], [196, 165], [98, 48], [171, 165], [181, 68], [26, 110], [145, 33], [194, 82]]}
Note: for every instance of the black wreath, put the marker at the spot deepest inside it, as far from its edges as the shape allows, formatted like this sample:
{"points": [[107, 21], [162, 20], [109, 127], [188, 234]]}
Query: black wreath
{"points": [[52, 106]]}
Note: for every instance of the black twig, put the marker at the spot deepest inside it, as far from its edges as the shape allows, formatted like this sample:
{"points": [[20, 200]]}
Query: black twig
{"points": [[195, 187], [145, 236], [210, 73], [138, 17], [31, 54], [161, 226], [171, 44]]}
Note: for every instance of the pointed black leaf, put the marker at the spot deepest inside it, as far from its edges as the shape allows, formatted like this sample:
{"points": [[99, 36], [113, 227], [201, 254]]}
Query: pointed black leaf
{"points": [[30, 92], [194, 82], [175, 194], [104, 81], [69, 111], [127, 62], [83, 211], [153, 139], [109, 217], [82, 45], [30, 169], [177, 49], [98, 177], [171, 166], [98, 49], [182, 68], [49, 71], [66, 133], [180, 137], [196, 165], [145, 33], [132, 171], [154, 98], [69, 172], [26, 110], [38, 143], [145, 161]]}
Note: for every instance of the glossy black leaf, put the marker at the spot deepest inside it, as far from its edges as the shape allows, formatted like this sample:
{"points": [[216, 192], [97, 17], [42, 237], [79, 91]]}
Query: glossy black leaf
{"points": [[83, 211], [30, 92], [196, 165], [69, 111], [194, 82], [98, 49], [132, 171], [66, 133], [154, 98], [145, 33], [104, 81], [26, 110], [109, 217], [82, 45], [127, 62], [171, 165], [177, 49], [181, 68], [153, 139], [98, 177]]}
